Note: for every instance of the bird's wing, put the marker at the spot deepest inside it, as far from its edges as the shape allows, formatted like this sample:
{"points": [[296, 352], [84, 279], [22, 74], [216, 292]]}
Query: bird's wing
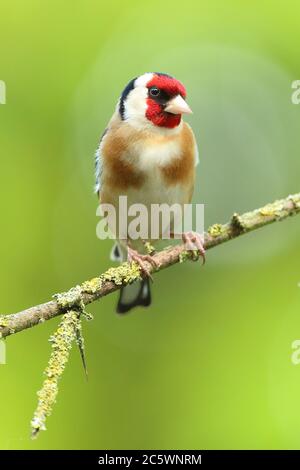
{"points": [[99, 164]]}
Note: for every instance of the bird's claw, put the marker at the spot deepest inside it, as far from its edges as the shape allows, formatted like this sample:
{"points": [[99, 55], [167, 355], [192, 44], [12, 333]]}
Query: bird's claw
{"points": [[135, 256], [193, 241]]}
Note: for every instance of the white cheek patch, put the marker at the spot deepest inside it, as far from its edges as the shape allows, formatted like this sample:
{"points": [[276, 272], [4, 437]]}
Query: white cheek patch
{"points": [[135, 104]]}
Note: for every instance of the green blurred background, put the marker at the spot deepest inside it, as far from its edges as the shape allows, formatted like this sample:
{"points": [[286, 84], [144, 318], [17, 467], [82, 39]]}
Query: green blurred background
{"points": [[209, 365]]}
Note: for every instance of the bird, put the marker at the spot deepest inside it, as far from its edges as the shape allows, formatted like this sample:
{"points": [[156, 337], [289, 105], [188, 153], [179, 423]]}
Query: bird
{"points": [[148, 154]]}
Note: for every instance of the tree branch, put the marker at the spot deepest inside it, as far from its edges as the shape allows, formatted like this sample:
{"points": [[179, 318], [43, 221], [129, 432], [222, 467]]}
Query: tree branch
{"points": [[115, 278]]}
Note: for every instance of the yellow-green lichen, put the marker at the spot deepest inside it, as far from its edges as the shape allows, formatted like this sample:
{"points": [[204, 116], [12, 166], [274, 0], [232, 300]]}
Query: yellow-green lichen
{"points": [[278, 208], [189, 255], [61, 345], [70, 299], [4, 321], [216, 230], [124, 274], [184, 256], [92, 286], [271, 210], [150, 250]]}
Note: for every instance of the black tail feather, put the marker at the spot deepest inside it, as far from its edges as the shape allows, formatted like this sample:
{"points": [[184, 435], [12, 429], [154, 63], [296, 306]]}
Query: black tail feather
{"points": [[140, 296]]}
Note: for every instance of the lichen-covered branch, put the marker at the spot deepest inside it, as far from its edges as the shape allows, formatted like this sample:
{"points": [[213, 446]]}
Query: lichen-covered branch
{"points": [[114, 278], [62, 342], [68, 331]]}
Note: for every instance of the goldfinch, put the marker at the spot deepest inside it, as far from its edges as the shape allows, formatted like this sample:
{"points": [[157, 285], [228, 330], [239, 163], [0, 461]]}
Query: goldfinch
{"points": [[148, 154]]}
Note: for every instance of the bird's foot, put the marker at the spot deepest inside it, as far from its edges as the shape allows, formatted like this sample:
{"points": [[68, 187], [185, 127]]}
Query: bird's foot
{"points": [[193, 241], [135, 256]]}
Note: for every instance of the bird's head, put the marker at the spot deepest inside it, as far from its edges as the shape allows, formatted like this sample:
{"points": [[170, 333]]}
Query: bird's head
{"points": [[153, 99]]}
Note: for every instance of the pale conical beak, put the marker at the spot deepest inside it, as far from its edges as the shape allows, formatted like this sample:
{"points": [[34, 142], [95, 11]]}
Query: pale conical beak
{"points": [[178, 105]]}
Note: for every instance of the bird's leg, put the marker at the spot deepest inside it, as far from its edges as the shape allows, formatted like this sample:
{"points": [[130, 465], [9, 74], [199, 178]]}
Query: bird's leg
{"points": [[140, 259], [193, 241]]}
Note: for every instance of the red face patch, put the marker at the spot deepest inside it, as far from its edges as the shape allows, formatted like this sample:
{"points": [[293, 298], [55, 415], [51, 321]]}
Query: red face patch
{"points": [[156, 114], [169, 87]]}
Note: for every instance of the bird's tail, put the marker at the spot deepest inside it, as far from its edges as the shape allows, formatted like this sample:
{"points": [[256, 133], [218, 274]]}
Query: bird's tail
{"points": [[134, 294]]}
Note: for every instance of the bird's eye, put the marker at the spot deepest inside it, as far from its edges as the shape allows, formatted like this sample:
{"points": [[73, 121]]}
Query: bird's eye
{"points": [[154, 91]]}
